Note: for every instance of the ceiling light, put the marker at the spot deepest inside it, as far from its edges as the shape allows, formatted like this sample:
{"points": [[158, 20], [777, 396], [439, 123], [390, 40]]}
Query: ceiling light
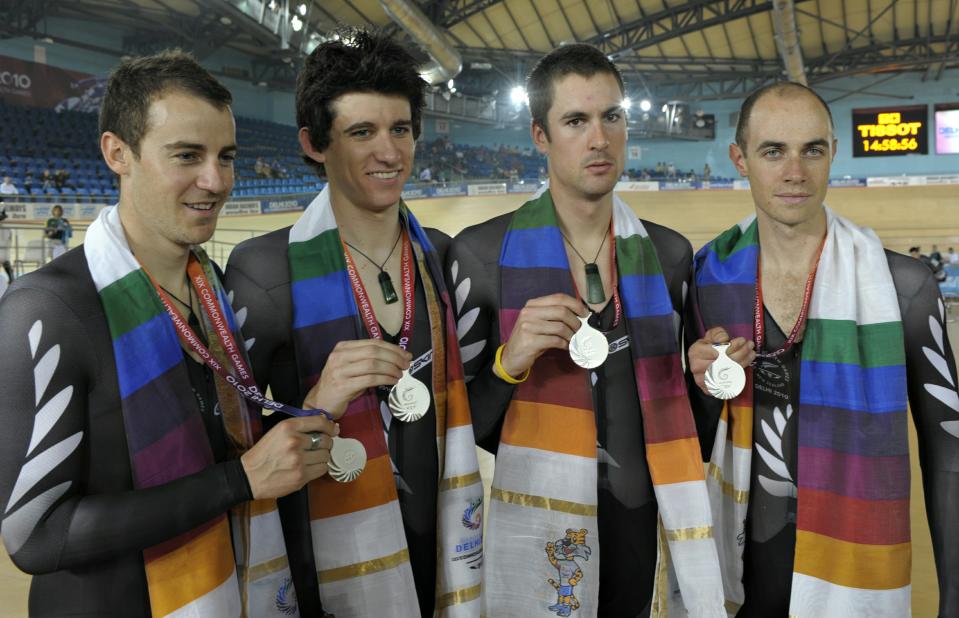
{"points": [[272, 5], [645, 105], [627, 103], [226, 21], [302, 9], [451, 85], [297, 23], [518, 95]]}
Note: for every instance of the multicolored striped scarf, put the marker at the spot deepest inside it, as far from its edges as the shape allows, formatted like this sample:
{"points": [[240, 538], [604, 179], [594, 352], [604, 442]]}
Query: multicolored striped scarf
{"points": [[358, 536], [853, 553], [544, 495], [201, 572]]}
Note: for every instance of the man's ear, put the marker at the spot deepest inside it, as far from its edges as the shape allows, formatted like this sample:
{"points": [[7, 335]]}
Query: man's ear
{"points": [[116, 153], [738, 157], [307, 145], [539, 136]]}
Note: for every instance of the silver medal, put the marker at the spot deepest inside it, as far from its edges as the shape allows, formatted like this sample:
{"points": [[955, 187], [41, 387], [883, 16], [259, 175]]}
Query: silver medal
{"points": [[347, 459], [409, 399], [725, 378], [588, 348]]}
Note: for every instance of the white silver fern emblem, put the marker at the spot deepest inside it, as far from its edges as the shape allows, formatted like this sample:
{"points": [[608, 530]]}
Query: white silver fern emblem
{"points": [[775, 460], [240, 315], [937, 358], [465, 321], [19, 520]]}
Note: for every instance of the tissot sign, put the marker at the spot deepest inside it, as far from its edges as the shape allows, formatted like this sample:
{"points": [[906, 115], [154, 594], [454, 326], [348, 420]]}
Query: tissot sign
{"points": [[886, 131]]}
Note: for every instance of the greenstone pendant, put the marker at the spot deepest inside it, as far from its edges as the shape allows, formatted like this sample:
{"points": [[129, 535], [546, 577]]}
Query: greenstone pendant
{"points": [[389, 293], [594, 285]]}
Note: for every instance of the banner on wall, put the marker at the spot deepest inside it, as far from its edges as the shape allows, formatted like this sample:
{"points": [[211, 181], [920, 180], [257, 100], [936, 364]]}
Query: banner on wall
{"points": [[492, 188], [637, 186], [41, 85], [287, 205], [635, 153], [442, 126], [241, 208], [449, 190], [847, 182]]}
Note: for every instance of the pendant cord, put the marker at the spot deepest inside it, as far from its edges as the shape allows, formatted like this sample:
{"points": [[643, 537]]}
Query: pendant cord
{"points": [[370, 260], [189, 288], [578, 254]]}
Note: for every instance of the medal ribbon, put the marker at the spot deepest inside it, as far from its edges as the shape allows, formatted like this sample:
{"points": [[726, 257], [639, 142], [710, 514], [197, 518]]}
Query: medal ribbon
{"points": [[242, 381], [617, 303], [366, 307], [759, 326]]}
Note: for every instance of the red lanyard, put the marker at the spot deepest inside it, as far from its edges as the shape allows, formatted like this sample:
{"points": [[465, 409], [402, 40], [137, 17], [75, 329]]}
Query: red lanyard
{"points": [[242, 378], [759, 326], [363, 300], [617, 303]]}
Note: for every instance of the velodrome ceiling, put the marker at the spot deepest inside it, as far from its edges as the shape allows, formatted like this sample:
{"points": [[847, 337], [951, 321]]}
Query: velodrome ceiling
{"points": [[699, 49]]}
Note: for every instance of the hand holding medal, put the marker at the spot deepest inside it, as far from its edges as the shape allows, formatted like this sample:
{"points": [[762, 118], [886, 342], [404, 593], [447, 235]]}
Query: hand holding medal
{"points": [[721, 376]]}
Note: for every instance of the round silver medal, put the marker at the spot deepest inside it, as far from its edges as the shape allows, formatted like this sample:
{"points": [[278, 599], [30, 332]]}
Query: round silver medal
{"points": [[409, 399], [588, 348], [347, 459], [725, 378]]}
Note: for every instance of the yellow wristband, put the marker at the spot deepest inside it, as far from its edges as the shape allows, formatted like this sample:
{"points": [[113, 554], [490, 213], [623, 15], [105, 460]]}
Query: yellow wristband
{"points": [[501, 373]]}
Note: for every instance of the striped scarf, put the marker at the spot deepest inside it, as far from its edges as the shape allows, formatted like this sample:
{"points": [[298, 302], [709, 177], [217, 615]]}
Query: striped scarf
{"points": [[853, 551], [544, 495], [358, 536], [200, 572]]}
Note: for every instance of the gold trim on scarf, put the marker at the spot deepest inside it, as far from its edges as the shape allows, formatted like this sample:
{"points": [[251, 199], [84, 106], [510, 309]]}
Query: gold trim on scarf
{"points": [[364, 568], [540, 502], [690, 534], [733, 607], [459, 596], [741, 496], [464, 480], [266, 568]]}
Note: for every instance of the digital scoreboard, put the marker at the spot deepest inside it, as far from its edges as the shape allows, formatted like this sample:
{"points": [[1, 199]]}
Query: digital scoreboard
{"points": [[889, 131], [947, 128]]}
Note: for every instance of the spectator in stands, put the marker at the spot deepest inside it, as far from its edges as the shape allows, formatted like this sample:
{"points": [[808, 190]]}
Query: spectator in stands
{"points": [[593, 454], [426, 174], [60, 179], [935, 255], [277, 170], [953, 256], [261, 168], [322, 306], [7, 187], [124, 459], [707, 171], [28, 183], [58, 232], [46, 179], [837, 336]]}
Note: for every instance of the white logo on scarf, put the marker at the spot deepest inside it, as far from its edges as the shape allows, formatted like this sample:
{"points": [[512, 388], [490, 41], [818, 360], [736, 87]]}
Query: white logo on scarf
{"points": [[785, 487], [465, 321]]}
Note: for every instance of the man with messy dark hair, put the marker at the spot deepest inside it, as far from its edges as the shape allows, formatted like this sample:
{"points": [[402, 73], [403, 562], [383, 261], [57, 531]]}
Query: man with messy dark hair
{"points": [[350, 302]]}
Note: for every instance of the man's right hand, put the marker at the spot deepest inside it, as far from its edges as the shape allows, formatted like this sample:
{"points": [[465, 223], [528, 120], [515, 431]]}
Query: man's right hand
{"points": [[543, 323], [353, 367], [282, 461], [702, 353]]}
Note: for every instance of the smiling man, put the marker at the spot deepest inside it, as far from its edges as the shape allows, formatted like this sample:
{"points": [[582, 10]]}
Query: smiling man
{"points": [[125, 460], [587, 460], [810, 464], [346, 302]]}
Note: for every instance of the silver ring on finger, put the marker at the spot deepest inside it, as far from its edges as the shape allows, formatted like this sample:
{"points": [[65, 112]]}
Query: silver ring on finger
{"points": [[315, 437]]}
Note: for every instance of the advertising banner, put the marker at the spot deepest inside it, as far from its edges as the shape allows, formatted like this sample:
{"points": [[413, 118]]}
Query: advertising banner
{"points": [[622, 187], [240, 208], [415, 193], [523, 187], [718, 184], [678, 186], [286, 205], [492, 188], [847, 182], [40, 85], [449, 190]]}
